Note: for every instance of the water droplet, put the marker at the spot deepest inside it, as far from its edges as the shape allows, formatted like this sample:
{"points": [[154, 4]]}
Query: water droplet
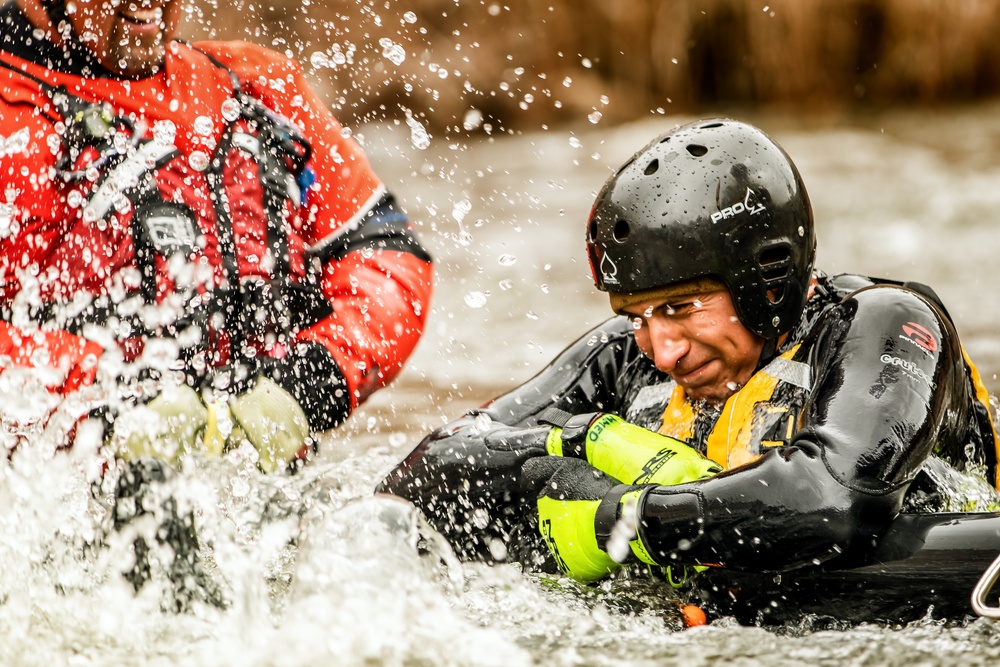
{"points": [[802, 231], [319, 60], [418, 133], [392, 51], [595, 117], [410, 17], [506, 284], [74, 199], [397, 439], [203, 125], [475, 299], [776, 321], [480, 518], [230, 110], [198, 160], [164, 132], [6, 220], [575, 143], [507, 259], [120, 142], [482, 422], [461, 209], [531, 315], [15, 143], [473, 119], [498, 550]]}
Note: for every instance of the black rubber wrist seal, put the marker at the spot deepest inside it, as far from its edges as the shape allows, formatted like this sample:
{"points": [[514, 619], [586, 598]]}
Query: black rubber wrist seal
{"points": [[574, 429]]}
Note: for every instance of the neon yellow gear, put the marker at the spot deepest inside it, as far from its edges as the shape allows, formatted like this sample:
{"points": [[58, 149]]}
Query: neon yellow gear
{"points": [[568, 528], [634, 455], [570, 491]]}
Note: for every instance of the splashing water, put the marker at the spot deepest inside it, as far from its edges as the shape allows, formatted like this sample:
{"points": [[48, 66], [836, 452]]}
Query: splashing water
{"points": [[318, 571], [475, 299], [419, 137], [473, 119], [394, 53]]}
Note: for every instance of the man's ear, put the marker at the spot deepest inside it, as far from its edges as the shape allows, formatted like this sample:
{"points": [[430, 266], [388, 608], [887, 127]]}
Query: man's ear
{"points": [[39, 17]]}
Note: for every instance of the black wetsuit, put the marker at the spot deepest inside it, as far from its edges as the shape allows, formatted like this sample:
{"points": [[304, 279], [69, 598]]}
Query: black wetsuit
{"points": [[873, 381]]}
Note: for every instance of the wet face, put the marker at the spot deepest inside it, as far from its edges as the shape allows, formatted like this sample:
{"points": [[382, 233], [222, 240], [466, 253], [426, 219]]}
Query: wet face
{"points": [[129, 37], [699, 341]]}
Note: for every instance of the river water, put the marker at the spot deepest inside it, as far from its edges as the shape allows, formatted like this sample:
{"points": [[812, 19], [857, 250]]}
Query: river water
{"points": [[319, 573]]}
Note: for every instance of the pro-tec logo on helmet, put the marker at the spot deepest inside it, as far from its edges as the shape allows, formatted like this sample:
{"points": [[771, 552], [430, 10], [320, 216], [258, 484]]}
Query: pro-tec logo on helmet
{"points": [[739, 207]]}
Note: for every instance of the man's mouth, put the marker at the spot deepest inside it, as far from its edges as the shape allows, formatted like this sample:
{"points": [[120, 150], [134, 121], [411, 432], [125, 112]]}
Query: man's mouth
{"points": [[143, 16], [689, 375]]}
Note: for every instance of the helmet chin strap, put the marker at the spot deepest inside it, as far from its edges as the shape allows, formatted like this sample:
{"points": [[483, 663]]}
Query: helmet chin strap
{"points": [[771, 343], [768, 352]]}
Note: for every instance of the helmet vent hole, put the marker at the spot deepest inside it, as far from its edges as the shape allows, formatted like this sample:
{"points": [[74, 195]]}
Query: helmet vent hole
{"points": [[775, 270], [696, 150], [709, 126], [592, 231], [652, 168], [622, 231]]}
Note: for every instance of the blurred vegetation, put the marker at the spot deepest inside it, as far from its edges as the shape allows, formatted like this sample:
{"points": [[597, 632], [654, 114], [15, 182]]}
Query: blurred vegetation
{"points": [[505, 65]]}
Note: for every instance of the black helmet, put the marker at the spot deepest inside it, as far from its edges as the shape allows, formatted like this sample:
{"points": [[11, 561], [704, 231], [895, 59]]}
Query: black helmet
{"points": [[715, 198]]}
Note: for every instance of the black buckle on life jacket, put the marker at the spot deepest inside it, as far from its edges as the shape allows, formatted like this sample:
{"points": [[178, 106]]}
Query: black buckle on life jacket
{"points": [[277, 131], [88, 125]]}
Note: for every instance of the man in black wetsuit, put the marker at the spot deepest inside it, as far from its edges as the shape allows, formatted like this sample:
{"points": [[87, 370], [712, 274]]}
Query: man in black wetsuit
{"points": [[742, 410]]}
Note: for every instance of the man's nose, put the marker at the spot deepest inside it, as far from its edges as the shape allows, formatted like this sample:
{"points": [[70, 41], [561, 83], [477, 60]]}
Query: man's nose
{"points": [[669, 344]]}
